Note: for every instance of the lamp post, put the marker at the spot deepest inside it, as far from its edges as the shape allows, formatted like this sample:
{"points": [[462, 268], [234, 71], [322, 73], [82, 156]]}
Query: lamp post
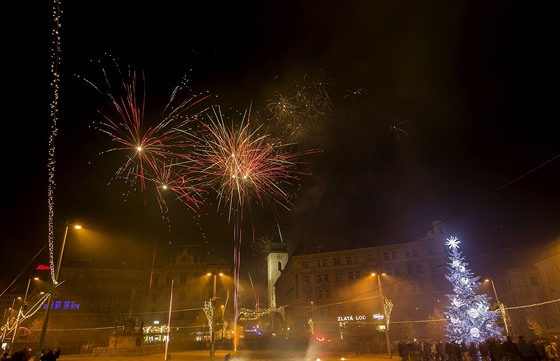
{"points": [[213, 303], [223, 326], [21, 309], [500, 305], [384, 313], [53, 288]]}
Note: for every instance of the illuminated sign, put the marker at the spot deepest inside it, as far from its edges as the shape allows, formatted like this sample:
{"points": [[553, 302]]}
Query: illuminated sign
{"points": [[42, 267], [378, 316], [63, 305], [351, 318]]}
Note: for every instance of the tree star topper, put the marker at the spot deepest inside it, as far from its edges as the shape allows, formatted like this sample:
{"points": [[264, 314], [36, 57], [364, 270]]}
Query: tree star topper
{"points": [[453, 242]]}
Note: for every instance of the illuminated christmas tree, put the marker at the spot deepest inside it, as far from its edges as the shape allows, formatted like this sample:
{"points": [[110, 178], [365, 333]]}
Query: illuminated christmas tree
{"points": [[469, 317]]}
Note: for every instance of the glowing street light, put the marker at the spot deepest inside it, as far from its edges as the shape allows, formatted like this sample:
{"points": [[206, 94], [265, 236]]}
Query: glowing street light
{"points": [[500, 305], [53, 288], [384, 313]]}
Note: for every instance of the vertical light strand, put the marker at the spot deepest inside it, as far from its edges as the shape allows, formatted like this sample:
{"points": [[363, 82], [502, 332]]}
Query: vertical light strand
{"points": [[55, 84]]}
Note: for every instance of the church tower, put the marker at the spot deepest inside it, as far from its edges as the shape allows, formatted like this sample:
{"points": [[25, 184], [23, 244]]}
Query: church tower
{"points": [[275, 263]]}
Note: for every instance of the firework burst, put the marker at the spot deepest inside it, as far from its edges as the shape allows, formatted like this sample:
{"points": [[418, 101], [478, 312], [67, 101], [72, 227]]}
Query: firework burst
{"points": [[297, 110], [153, 154], [245, 165]]}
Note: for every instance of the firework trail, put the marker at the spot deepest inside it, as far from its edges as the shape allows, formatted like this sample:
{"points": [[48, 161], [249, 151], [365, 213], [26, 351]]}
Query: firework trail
{"points": [[153, 154], [244, 166]]}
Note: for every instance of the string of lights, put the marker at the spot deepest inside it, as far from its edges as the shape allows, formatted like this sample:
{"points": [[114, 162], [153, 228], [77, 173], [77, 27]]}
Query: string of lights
{"points": [[533, 305]]}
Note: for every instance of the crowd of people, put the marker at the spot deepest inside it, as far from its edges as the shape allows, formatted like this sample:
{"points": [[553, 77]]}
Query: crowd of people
{"points": [[492, 350], [25, 355]]}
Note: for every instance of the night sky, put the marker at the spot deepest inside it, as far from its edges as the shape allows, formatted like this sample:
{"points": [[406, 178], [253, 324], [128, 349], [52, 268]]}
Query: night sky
{"points": [[466, 84]]}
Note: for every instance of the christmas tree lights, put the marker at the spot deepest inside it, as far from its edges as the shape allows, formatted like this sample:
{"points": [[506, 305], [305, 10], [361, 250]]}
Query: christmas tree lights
{"points": [[468, 315]]}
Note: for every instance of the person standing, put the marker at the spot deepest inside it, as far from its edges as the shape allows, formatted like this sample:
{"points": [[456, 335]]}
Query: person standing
{"points": [[524, 349], [510, 350], [48, 355]]}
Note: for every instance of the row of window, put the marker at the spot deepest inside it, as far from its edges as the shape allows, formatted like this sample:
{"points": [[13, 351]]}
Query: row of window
{"points": [[412, 287], [356, 274], [408, 253]]}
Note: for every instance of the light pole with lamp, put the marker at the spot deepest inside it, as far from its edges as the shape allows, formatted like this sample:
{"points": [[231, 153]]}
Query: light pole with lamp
{"points": [[500, 305], [213, 303], [20, 312], [51, 295], [384, 313]]}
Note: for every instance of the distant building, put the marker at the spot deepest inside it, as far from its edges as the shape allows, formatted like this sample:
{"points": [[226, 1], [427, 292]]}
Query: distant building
{"points": [[188, 281], [332, 296], [321, 294], [531, 295]]}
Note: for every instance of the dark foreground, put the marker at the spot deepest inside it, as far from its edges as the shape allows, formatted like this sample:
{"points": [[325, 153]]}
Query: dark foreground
{"points": [[241, 355]]}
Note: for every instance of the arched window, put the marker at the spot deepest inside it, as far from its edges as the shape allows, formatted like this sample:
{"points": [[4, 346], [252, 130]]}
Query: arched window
{"points": [[279, 266]]}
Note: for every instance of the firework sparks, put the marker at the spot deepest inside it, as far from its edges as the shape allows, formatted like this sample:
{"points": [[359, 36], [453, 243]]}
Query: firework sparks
{"points": [[154, 154], [296, 111], [241, 164], [396, 130]]}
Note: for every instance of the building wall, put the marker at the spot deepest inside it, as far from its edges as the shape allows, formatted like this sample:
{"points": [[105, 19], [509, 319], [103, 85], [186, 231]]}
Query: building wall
{"points": [[328, 287], [96, 297], [275, 262], [192, 287]]}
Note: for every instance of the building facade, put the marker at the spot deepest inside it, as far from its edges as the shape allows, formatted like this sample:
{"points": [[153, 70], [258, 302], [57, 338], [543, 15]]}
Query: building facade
{"points": [[333, 297]]}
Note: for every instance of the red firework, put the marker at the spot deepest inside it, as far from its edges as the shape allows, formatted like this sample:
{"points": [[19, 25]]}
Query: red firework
{"points": [[152, 153], [241, 164]]}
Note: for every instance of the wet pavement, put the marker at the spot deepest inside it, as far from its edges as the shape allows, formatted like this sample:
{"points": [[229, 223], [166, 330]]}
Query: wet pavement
{"points": [[240, 355]]}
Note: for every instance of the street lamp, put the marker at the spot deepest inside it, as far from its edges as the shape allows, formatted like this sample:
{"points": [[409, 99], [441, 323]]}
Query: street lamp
{"points": [[500, 305], [21, 310], [384, 313], [213, 303], [53, 288]]}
